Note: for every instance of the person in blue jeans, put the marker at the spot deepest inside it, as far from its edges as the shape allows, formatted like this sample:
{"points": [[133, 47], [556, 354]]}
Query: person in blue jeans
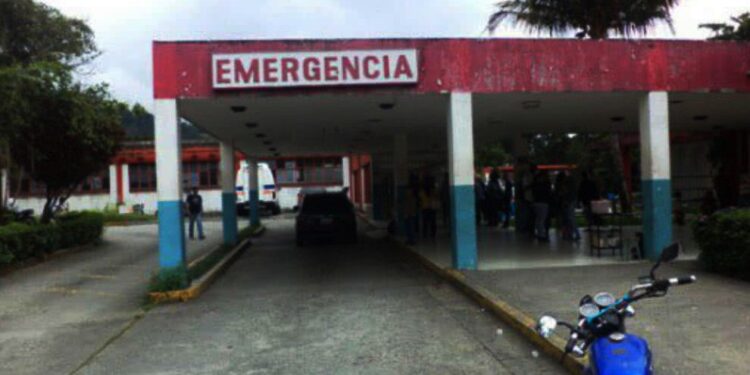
{"points": [[195, 212]]}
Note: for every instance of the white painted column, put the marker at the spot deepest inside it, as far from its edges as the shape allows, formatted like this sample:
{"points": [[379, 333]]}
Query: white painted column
{"points": [[113, 184], [4, 187], [656, 185], [346, 175], [363, 187], [228, 194], [461, 173], [253, 194], [169, 186], [126, 183]]}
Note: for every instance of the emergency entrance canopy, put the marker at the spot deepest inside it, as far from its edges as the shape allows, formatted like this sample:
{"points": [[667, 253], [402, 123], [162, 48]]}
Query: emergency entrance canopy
{"points": [[330, 68]]}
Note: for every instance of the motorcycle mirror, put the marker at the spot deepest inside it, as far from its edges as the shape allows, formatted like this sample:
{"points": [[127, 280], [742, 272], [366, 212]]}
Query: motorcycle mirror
{"points": [[670, 253], [546, 326]]}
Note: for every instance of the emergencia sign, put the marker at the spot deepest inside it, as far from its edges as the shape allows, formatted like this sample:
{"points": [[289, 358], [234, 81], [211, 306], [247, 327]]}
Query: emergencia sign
{"points": [[329, 68]]}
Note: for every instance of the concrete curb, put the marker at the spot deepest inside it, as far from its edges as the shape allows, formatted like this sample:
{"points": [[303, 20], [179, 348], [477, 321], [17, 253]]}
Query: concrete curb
{"points": [[522, 322], [200, 285]]}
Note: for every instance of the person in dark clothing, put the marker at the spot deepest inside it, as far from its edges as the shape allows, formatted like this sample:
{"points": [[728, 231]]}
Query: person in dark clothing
{"points": [[494, 198], [480, 196], [507, 203], [587, 192], [195, 212], [429, 202], [565, 191], [542, 193]]}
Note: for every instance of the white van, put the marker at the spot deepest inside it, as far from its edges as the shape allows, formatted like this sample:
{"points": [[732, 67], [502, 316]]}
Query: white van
{"points": [[267, 198]]}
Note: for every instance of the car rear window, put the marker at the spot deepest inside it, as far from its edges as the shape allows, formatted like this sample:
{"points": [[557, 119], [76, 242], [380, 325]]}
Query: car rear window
{"points": [[326, 204]]}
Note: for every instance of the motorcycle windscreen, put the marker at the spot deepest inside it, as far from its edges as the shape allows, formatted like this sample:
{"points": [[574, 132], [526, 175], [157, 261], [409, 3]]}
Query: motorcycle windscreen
{"points": [[631, 356]]}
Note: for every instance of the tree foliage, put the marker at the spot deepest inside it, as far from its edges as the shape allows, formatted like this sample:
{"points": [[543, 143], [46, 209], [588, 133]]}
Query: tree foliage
{"points": [[71, 132], [595, 19], [33, 32], [727, 31]]}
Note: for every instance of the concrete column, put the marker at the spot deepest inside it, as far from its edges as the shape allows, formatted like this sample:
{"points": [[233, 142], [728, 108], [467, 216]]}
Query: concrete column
{"points": [[655, 173], [400, 177], [252, 178], [362, 181], [4, 187], [228, 194], [125, 168], [346, 175], [169, 187], [113, 184], [461, 173]]}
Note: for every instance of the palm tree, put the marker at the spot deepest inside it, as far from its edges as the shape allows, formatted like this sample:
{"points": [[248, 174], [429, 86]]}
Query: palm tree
{"points": [[594, 19]]}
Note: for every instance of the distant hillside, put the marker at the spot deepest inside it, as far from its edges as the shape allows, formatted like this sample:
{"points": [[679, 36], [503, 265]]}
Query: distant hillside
{"points": [[138, 124]]}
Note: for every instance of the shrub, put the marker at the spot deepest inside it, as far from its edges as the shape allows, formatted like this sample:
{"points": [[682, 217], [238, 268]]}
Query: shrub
{"points": [[724, 239], [80, 228], [19, 242]]}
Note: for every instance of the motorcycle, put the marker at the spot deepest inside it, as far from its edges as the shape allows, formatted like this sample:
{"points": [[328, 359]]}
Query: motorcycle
{"points": [[601, 325]]}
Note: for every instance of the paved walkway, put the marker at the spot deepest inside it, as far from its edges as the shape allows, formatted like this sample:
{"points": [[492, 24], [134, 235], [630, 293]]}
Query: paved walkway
{"points": [[336, 309], [505, 249], [701, 328], [56, 314]]}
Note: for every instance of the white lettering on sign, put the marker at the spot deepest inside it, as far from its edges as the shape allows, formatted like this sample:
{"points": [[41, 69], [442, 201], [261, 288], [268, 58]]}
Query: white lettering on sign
{"points": [[288, 69]]}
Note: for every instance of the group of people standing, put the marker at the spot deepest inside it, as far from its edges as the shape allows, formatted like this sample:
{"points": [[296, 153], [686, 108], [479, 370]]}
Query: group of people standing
{"points": [[423, 199], [494, 199], [538, 199]]}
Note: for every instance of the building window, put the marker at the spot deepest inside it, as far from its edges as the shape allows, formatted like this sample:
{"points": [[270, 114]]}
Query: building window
{"points": [[308, 171], [94, 184], [201, 174], [142, 177]]}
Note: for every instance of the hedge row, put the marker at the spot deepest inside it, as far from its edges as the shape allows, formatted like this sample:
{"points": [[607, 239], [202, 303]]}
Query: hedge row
{"points": [[724, 239], [19, 242]]}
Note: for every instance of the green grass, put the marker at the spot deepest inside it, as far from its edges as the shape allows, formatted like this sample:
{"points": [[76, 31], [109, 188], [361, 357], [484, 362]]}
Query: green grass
{"points": [[111, 217], [174, 279]]}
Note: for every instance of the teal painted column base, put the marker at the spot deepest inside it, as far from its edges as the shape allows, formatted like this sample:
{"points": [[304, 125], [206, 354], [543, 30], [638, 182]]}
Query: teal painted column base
{"points": [[254, 209], [657, 216], [463, 223], [229, 217], [172, 259]]}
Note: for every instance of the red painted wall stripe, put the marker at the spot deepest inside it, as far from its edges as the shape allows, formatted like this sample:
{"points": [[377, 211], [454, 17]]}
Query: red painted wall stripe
{"points": [[183, 69]]}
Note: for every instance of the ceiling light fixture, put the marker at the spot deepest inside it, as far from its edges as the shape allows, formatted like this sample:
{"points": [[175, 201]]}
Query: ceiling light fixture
{"points": [[238, 108], [387, 106], [260, 135], [617, 118], [531, 104], [251, 125], [700, 117]]}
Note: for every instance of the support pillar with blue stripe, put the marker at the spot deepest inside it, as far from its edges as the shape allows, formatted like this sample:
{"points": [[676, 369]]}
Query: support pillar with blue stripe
{"points": [[461, 174], [253, 198], [228, 194], [172, 257], [656, 185]]}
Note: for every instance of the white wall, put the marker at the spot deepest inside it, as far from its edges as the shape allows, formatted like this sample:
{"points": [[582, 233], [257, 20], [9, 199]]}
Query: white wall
{"points": [[75, 203], [287, 196], [211, 200]]}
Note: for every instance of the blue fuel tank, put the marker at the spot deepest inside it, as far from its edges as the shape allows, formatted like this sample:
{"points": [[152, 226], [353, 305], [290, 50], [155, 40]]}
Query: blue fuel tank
{"points": [[628, 356]]}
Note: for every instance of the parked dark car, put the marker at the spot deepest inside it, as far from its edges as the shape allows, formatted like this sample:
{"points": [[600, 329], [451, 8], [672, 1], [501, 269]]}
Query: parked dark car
{"points": [[326, 216]]}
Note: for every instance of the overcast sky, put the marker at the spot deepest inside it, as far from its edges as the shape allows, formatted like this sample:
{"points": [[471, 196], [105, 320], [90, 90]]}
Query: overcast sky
{"points": [[125, 28]]}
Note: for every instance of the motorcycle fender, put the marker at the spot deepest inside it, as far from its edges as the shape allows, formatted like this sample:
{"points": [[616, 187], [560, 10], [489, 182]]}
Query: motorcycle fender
{"points": [[629, 356]]}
